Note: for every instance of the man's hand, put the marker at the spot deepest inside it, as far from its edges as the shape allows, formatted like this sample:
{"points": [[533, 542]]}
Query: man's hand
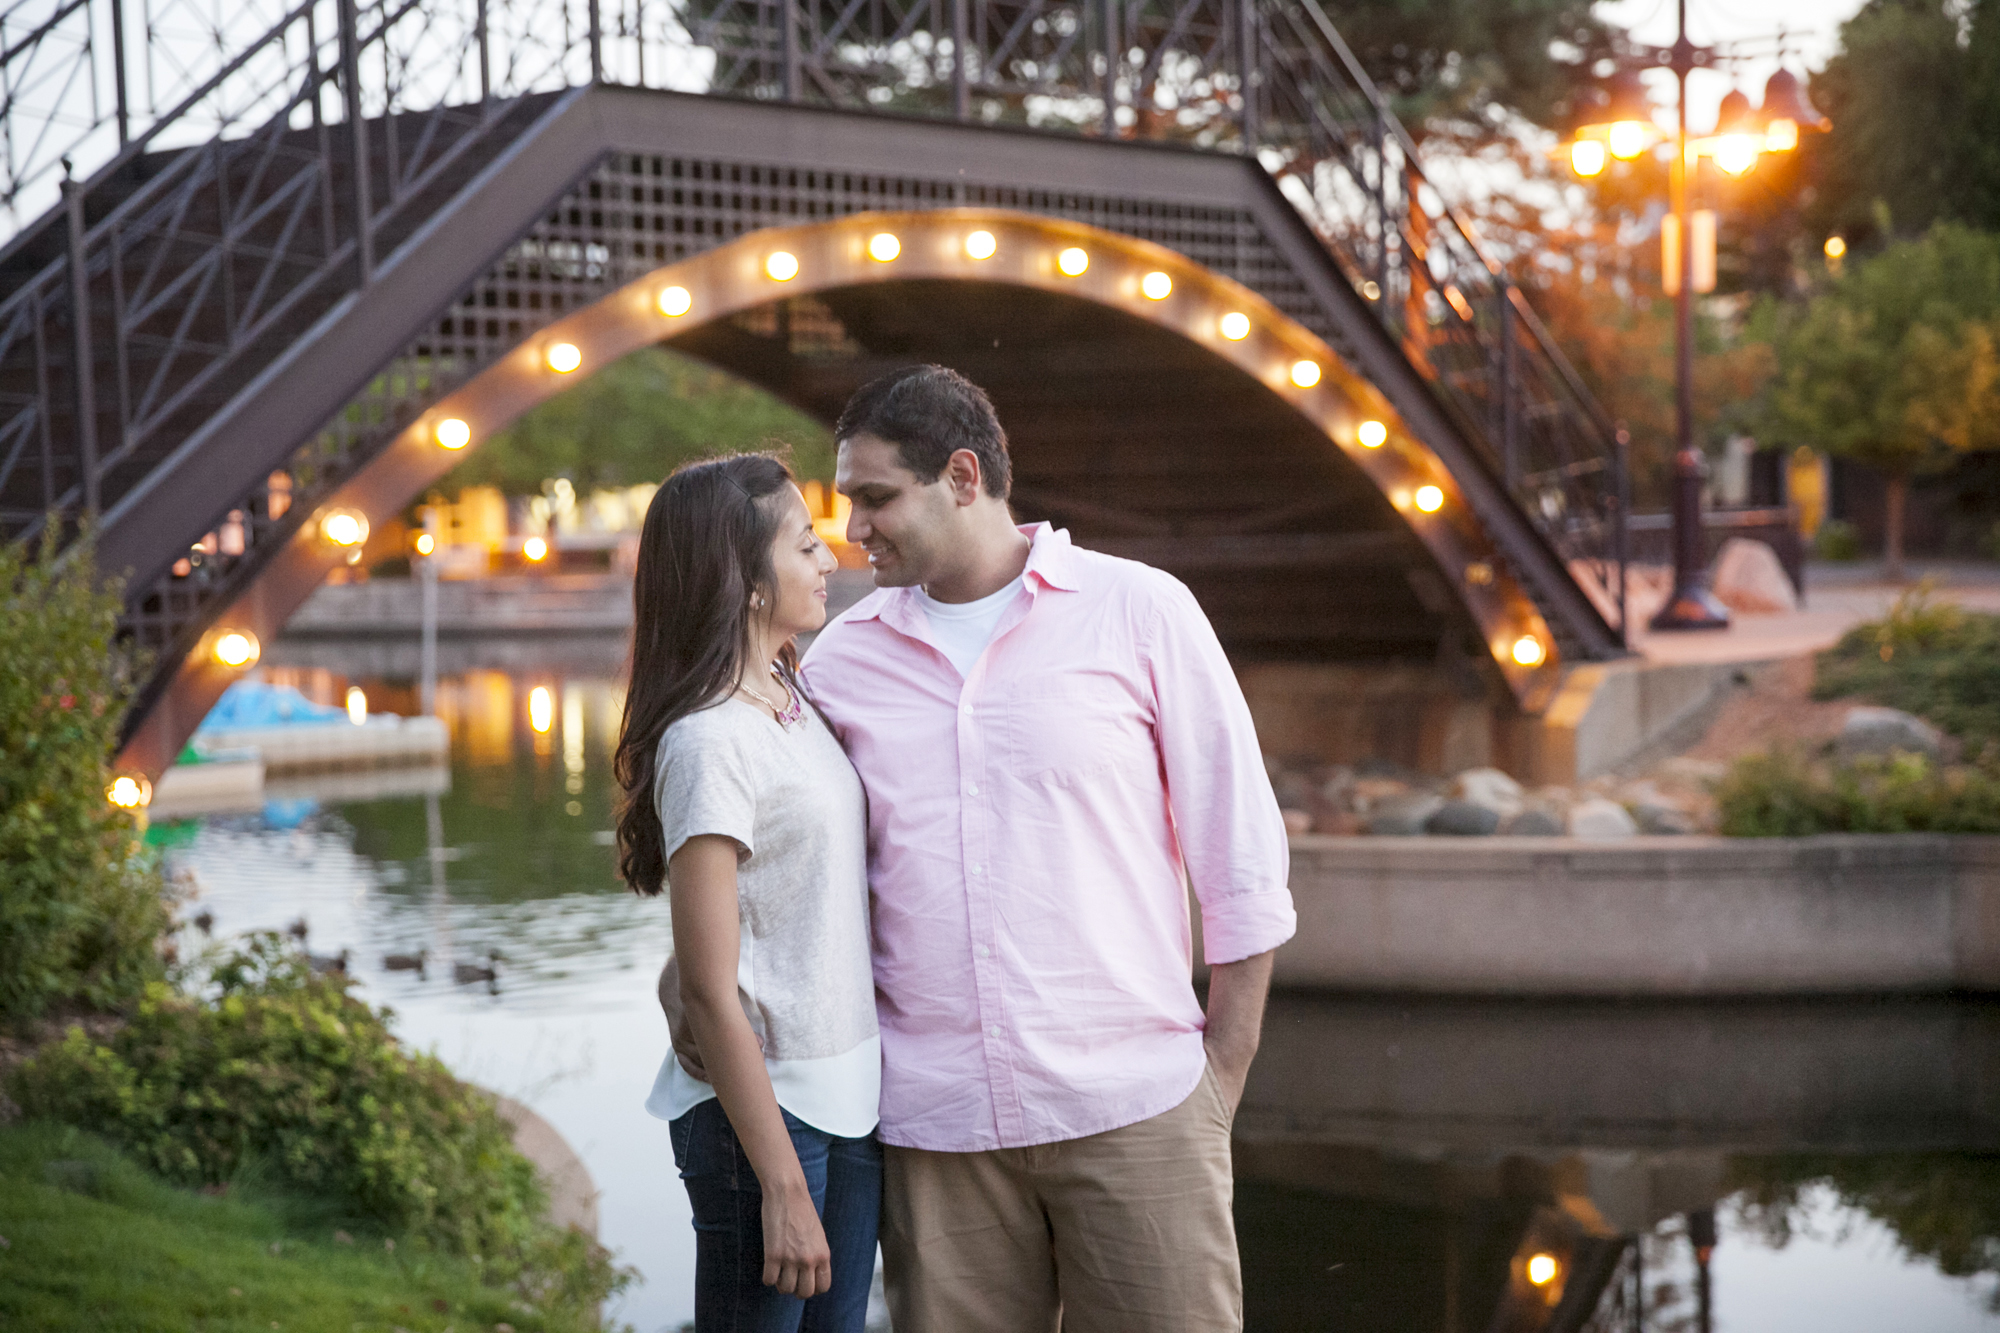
{"points": [[1236, 993]]}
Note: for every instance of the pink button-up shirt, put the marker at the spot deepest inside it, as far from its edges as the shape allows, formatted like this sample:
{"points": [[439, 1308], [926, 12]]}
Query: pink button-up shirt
{"points": [[1030, 825]]}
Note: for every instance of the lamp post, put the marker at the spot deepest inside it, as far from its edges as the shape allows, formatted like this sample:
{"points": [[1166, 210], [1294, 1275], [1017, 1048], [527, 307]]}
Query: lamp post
{"points": [[1741, 135]]}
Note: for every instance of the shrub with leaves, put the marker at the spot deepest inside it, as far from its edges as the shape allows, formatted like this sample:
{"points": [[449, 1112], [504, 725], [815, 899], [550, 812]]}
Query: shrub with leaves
{"points": [[284, 1073], [81, 904], [1926, 656], [1783, 795]]}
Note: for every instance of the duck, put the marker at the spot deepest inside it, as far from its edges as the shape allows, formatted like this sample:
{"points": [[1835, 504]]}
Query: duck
{"points": [[471, 974], [407, 962], [204, 921], [298, 930], [324, 964]]}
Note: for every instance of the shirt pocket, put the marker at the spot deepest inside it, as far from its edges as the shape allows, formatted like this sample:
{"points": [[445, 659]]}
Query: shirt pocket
{"points": [[1064, 728]]}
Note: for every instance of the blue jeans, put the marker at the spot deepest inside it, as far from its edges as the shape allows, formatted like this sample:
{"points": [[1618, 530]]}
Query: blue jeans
{"points": [[845, 1177]]}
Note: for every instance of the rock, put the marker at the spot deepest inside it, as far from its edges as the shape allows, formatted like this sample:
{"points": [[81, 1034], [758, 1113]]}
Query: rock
{"points": [[1599, 817], [1886, 730], [1297, 821], [1403, 816], [1693, 772], [1340, 823], [1491, 788], [1292, 789], [1534, 822], [1463, 819], [1370, 792], [1660, 818], [1750, 578]]}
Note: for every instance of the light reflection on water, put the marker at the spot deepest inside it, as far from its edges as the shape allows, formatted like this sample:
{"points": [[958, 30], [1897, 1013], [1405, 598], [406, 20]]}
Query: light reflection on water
{"points": [[1373, 1134]]}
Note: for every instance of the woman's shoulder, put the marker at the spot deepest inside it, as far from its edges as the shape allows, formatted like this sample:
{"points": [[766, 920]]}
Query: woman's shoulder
{"points": [[726, 724]]}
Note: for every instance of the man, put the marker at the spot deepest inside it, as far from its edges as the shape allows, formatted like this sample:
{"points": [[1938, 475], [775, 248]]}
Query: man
{"points": [[1050, 740]]}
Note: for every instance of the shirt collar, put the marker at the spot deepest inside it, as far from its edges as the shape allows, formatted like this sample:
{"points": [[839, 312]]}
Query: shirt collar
{"points": [[1051, 562]]}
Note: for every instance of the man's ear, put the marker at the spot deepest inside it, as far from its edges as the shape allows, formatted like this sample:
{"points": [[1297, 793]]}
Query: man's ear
{"points": [[962, 473]]}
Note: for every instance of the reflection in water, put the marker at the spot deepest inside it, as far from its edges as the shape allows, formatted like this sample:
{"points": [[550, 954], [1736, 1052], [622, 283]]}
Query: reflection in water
{"points": [[1401, 1164]]}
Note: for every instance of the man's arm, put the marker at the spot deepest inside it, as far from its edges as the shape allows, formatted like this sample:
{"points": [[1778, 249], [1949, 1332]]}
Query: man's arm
{"points": [[1236, 993]]}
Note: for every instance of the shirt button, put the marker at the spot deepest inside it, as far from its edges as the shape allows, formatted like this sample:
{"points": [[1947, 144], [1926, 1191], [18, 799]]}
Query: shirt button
{"points": [[984, 952], [974, 867], [993, 1031], [972, 789]]}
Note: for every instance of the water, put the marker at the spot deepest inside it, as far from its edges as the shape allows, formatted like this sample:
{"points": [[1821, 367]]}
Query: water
{"points": [[1398, 1162]]}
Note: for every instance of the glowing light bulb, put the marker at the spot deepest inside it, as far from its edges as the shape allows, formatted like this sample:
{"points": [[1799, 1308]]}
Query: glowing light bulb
{"points": [[781, 266], [1782, 136], [1736, 153], [1528, 650], [1836, 247], [1372, 434], [1430, 499], [1627, 139], [453, 434], [426, 543], [129, 792], [535, 548], [541, 709], [981, 245], [1586, 157], [1542, 1269], [562, 358], [1305, 374], [1234, 326], [344, 527], [357, 705], [675, 302], [883, 247], [1156, 285], [1072, 262], [236, 649]]}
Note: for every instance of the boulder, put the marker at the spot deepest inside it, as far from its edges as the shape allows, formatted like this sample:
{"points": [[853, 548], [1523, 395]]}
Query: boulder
{"points": [[1884, 731], [1534, 822], [1463, 819], [1367, 793], [1402, 816], [1490, 788], [1340, 823], [1600, 818], [1750, 578], [1658, 817]]}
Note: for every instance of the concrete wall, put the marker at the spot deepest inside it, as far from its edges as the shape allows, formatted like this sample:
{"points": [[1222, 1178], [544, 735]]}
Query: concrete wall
{"points": [[1646, 916]]}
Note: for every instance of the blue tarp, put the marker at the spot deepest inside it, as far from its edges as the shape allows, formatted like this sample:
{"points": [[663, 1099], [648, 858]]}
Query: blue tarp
{"points": [[251, 703]]}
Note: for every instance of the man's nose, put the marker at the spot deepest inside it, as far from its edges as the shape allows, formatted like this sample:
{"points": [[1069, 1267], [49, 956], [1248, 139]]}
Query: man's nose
{"points": [[858, 528]]}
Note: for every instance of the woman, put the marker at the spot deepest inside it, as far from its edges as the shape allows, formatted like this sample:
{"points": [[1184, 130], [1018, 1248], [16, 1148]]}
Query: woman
{"points": [[739, 798]]}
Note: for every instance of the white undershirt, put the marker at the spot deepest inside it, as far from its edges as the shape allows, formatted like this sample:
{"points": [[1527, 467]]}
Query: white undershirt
{"points": [[963, 629]]}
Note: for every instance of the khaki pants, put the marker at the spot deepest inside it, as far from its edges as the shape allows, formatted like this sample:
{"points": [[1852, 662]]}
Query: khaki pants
{"points": [[1128, 1231]]}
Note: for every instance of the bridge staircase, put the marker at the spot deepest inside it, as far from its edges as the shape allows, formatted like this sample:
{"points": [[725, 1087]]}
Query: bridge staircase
{"points": [[229, 257]]}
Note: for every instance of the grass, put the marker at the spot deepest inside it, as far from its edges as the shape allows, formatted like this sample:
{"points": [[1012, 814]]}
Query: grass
{"points": [[93, 1241], [1926, 657]]}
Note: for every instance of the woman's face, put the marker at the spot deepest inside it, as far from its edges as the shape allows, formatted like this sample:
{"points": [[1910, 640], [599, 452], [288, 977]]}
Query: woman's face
{"points": [[800, 562]]}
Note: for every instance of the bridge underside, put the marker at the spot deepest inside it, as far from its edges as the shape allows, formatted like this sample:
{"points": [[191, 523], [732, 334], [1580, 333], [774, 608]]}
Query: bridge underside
{"points": [[1143, 444]]}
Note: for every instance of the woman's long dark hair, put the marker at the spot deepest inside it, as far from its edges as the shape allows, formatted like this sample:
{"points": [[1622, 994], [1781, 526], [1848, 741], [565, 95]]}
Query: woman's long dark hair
{"points": [[705, 549]]}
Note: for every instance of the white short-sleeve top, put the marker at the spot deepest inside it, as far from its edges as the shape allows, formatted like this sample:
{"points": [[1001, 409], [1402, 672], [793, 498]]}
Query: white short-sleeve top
{"points": [[791, 802]]}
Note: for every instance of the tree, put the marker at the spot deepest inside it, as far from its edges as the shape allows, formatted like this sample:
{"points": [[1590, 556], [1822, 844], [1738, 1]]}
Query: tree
{"points": [[1897, 364], [637, 420], [1914, 96]]}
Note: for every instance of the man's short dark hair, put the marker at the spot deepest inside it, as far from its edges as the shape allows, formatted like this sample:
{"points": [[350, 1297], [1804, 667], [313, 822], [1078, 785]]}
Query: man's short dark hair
{"points": [[929, 413]]}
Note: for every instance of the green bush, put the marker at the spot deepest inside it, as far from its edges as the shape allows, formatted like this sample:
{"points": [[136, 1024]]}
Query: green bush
{"points": [[82, 908], [1926, 657], [1837, 539], [283, 1074], [1783, 795]]}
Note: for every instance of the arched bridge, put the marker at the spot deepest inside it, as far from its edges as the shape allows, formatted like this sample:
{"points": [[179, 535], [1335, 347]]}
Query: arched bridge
{"points": [[1229, 325]]}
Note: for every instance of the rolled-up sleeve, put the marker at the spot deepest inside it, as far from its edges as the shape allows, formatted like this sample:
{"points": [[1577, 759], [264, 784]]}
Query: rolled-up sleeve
{"points": [[1232, 837]]}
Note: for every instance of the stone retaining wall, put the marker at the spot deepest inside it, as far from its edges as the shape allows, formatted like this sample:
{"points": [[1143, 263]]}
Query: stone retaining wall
{"points": [[1668, 916]]}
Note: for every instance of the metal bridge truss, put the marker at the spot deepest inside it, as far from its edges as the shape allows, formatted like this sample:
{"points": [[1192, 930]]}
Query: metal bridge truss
{"points": [[258, 164]]}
